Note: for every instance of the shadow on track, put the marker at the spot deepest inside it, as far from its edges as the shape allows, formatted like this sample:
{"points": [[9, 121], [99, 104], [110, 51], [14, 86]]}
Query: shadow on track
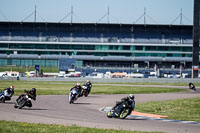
{"points": [[132, 118], [197, 91], [8, 103], [93, 96], [83, 103], [33, 109]]}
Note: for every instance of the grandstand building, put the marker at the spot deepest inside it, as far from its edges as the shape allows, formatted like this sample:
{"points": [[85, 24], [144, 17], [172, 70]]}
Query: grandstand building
{"points": [[95, 45]]}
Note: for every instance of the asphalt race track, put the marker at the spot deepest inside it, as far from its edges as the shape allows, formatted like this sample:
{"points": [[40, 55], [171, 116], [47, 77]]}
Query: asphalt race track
{"points": [[55, 109]]}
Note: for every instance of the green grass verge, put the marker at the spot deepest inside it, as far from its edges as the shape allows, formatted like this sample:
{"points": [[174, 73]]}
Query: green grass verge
{"points": [[21, 127], [62, 88], [155, 83], [131, 89], [186, 109]]}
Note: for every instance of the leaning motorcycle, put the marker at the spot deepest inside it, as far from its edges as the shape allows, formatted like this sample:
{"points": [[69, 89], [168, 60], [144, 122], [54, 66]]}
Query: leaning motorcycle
{"points": [[85, 90], [73, 96], [23, 101], [192, 86], [122, 110], [4, 96]]}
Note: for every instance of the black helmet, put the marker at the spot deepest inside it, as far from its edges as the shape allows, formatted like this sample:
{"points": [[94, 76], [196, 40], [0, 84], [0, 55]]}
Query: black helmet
{"points": [[34, 90]]}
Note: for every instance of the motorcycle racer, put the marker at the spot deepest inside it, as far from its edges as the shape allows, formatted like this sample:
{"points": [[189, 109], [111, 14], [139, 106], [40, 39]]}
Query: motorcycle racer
{"points": [[192, 86], [89, 85], [31, 93], [79, 89], [21, 102], [126, 100], [10, 91], [7, 93]]}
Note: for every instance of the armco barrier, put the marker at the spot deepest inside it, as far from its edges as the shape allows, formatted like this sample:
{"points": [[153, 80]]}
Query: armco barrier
{"points": [[112, 80]]}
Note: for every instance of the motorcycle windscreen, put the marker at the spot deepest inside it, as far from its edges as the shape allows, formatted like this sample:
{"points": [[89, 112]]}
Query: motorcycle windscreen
{"points": [[74, 91]]}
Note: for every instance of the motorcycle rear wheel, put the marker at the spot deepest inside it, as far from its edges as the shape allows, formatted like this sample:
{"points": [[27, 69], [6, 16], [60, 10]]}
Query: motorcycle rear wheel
{"points": [[86, 94], [20, 107], [15, 106], [109, 114], [22, 104]]}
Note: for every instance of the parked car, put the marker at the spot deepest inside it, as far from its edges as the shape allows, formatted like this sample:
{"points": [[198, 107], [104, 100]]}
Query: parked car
{"points": [[137, 75]]}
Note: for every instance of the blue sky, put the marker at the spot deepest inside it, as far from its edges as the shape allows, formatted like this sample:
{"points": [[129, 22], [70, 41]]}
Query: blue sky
{"points": [[90, 11]]}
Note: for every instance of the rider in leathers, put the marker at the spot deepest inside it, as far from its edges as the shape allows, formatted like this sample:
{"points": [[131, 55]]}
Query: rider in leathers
{"points": [[8, 92], [31, 94], [89, 85], [126, 100], [191, 86], [79, 89]]}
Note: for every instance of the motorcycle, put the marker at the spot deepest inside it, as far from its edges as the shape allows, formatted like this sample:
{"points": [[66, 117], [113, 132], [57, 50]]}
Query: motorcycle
{"points": [[121, 111], [85, 90], [73, 96], [23, 100], [192, 86], [4, 96]]}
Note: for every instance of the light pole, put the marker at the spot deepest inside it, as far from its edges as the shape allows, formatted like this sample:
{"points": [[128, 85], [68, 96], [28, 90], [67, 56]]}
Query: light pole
{"points": [[195, 49]]}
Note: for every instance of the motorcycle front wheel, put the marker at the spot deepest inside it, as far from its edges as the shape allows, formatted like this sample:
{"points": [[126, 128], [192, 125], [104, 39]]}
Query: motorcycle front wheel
{"points": [[22, 104], [125, 112], [86, 94], [3, 99], [71, 100]]}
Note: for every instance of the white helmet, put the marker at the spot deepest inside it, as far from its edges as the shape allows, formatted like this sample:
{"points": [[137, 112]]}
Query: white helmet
{"points": [[78, 84], [12, 86], [131, 96]]}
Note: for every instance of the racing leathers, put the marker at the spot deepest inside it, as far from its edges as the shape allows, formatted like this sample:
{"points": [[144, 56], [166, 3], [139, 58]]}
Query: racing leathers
{"points": [[126, 100], [79, 89], [8, 93], [89, 86]]}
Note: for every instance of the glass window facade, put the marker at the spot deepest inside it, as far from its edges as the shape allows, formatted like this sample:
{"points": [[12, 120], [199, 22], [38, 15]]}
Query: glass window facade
{"points": [[91, 40], [28, 62], [98, 50]]}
